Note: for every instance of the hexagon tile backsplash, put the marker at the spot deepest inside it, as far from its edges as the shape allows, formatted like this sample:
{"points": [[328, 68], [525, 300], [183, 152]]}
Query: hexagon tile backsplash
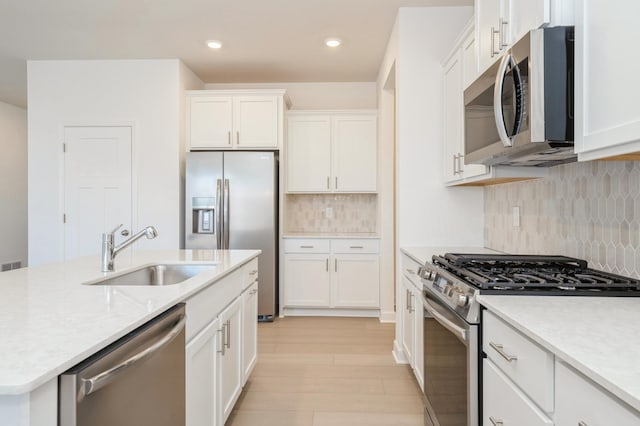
{"points": [[585, 210]]}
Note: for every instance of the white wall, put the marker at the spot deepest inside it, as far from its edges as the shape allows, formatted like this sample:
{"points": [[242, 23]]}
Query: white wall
{"points": [[429, 214], [410, 104], [143, 92], [13, 184], [356, 95]]}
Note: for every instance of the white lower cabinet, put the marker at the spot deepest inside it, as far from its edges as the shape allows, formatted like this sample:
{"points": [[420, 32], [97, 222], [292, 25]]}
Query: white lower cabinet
{"points": [[201, 390], [249, 329], [331, 274], [505, 404], [230, 357], [410, 314], [580, 402], [221, 346], [408, 324], [523, 384]]}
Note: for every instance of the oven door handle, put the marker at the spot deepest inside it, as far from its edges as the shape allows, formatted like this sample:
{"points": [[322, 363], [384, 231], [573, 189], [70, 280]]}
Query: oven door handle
{"points": [[459, 332]]}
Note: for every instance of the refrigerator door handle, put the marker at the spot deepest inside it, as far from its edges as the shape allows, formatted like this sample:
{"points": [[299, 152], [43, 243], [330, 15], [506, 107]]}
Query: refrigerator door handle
{"points": [[218, 225], [226, 214]]}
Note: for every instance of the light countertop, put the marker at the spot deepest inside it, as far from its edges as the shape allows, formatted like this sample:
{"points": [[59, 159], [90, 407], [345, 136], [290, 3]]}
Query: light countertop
{"points": [[598, 336], [424, 254], [334, 236], [50, 321]]}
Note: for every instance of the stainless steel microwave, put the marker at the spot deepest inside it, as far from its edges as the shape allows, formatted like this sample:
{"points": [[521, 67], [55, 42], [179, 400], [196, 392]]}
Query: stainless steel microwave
{"points": [[520, 111]]}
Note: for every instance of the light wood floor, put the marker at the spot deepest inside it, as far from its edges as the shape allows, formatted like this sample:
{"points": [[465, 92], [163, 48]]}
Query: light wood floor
{"points": [[328, 372]]}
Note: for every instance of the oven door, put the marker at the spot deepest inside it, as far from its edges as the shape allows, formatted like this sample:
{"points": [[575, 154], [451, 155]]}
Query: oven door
{"points": [[450, 366]]}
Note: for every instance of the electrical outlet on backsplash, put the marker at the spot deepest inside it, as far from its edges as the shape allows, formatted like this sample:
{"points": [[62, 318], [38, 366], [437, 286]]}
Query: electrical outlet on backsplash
{"points": [[330, 213], [586, 210]]}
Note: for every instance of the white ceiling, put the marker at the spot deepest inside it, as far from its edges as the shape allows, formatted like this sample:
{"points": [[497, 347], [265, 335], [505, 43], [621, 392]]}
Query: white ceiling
{"points": [[264, 40]]}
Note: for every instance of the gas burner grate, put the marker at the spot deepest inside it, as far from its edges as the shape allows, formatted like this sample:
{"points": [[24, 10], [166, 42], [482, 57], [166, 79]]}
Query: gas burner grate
{"points": [[524, 273]]}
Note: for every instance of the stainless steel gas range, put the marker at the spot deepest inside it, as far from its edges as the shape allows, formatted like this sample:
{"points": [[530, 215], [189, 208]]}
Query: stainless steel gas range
{"points": [[452, 317]]}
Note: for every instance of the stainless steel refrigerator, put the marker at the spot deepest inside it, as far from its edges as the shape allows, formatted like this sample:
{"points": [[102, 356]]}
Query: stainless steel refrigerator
{"points": [[232, 203]]}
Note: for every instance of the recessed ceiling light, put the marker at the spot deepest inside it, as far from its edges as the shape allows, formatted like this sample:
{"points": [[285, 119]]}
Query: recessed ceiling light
{"points": [[333, 42], [214, 44]]}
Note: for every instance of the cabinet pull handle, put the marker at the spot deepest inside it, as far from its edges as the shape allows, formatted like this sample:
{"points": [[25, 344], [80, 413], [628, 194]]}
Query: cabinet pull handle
{"points": [[500, 349], [229, 137], [503, 23], [493, 41], [411, 306], [406, 299], [495, 422], [336, 182], [255, 271], [222, 335], [335, 265], [229, 334], [306, 247], [411, 271], [328, 182], [238, 137], [581, 423], [326, 266], [455, 165], [356, 247]]}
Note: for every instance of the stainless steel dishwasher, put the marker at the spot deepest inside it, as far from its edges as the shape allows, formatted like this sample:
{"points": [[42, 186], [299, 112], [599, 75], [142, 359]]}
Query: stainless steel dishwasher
{"points": [[138, 380]]}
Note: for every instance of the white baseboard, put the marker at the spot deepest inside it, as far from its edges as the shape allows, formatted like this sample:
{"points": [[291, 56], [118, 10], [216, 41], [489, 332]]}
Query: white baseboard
{"points": [[326, 312], [398, 353], [389, 316]]}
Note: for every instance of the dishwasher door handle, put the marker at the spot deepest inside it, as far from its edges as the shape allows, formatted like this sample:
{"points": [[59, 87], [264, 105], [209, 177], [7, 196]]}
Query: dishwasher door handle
{"points": [[100, 380]]}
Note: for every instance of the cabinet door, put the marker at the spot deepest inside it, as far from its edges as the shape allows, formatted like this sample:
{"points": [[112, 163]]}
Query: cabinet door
{"points": [[249, 330], [230, 358], [309, 154], [209, 122], [307, 282], [355, 153], [255, 121], [504, 403], [418, 332], [453, 133], [356, 281], [469, 60], [606, 103], [580, 402], [527, 15], [488, 14], [201, 390], [406, 297]]}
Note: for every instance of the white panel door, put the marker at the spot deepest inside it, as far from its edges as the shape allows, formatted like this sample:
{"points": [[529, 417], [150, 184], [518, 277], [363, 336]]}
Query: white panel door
{"points": [[406, 313], [255, 121], [309, 154], [210, 122], [249, 330], [356, 282], [97, 185], [354, 153], [453, 131], [201, 358]]}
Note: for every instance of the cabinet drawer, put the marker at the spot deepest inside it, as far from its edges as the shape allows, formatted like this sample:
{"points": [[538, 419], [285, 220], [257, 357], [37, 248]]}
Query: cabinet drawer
{"points": [[250, 272], [299, 245], [356, 246], [523, 361], [579, 401], [410, 270], [504, 404], [204, 306]]}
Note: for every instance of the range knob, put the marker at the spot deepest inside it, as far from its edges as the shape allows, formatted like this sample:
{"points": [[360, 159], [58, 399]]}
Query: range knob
{"points": [[462, 300]]}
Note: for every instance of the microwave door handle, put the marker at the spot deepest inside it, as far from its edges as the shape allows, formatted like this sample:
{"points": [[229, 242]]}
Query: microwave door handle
{"points": [[497, 101]]}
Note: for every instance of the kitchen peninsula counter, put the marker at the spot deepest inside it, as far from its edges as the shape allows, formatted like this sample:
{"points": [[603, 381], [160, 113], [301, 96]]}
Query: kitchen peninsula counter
{"points": [[50, 320]]}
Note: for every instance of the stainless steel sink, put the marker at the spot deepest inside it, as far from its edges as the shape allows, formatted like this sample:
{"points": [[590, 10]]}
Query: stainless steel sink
{"points": [[157, 274]]}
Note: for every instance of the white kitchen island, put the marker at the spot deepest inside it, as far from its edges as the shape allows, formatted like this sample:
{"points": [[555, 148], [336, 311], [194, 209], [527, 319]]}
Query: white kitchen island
{"points": [[50, 320]]}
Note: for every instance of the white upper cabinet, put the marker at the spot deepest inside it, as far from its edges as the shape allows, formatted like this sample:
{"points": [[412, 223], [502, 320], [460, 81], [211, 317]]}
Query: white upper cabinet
{"points": [[334, 151], [234, 120], [309, 153], [500, 23], [354, 153], [607, 109]]}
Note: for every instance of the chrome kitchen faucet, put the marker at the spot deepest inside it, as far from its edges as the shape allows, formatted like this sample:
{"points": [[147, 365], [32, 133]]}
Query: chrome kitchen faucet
{"points": [[109, 249]]}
